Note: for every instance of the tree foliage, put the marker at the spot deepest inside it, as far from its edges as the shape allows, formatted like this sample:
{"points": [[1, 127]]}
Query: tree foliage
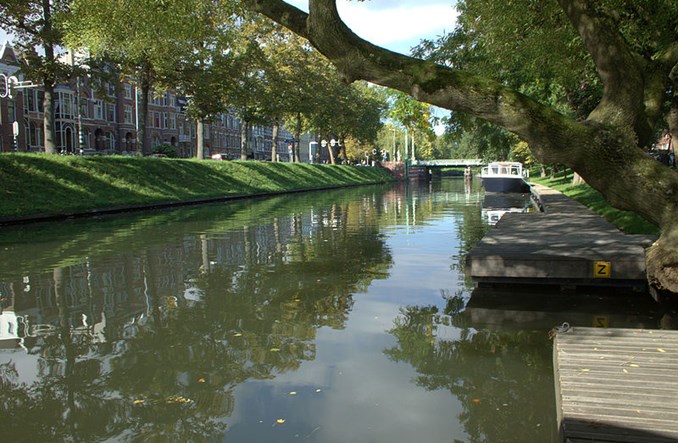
{"points": [[39, 35], [569, 51]]}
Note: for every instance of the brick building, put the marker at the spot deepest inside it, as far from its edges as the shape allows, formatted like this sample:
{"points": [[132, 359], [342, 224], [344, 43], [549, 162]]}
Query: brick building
{"points": [[104, 120]]}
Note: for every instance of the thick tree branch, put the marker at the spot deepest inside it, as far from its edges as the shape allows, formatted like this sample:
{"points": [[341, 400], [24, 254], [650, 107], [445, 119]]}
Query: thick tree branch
{"points": [[283, 13], [623, 98], [603, 150], [546, 130]]}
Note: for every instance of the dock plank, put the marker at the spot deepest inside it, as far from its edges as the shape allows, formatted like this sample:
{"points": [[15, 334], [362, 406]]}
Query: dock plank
{"points": [[617, 385], [558, 246]]}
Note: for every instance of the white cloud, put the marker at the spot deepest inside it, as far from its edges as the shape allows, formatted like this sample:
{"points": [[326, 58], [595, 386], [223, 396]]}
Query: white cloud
{"points": [[395, 25], [398, 28]]}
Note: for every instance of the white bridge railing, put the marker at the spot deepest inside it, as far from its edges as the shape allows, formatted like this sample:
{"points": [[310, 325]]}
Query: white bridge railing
{"points": [[448, 163]]}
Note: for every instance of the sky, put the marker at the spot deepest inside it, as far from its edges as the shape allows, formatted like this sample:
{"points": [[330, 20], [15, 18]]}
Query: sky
{"points": [[397, 25]]}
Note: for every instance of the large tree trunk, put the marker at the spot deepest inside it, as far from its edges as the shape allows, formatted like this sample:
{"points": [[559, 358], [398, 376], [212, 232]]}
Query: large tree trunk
{"points": [[48, 124], [244, 131], [274, 150], [48, 82], [199, 139], [143, 144], [606, 150], [297, 136]]}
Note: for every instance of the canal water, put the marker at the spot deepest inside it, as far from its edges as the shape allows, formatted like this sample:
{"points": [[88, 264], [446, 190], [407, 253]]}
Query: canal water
{"points": [[331, 316]]}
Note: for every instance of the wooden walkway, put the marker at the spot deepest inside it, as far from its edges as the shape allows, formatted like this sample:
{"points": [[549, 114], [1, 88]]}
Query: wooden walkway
{"points": [[566, 244], [617, 385]]}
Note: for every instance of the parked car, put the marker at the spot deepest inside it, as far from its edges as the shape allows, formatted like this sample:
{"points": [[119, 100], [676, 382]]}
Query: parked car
{"points": [[220, 157]]}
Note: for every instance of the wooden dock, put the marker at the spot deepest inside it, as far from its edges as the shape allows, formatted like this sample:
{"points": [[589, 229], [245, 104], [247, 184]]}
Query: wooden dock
{"points": [[567, 244], [616, 385]]}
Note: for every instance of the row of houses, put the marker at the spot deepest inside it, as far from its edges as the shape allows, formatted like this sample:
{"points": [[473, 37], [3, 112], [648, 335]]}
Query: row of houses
{"points": [[104, 120]]}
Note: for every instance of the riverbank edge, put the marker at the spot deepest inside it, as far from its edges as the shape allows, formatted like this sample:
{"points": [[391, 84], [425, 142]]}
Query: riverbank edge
{"points": [[164, 205], [293, 184]]}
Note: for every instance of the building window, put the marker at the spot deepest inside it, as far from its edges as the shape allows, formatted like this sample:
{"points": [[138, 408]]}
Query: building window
{"points": [[85, 138], [111, 114], [110, 89], [84, 109], [128, 91], [156, 119], [64, 108], [33, 135], [98, 109], [165, 120], [30, 101], [173, 121], [127, 115], [110, 140]]}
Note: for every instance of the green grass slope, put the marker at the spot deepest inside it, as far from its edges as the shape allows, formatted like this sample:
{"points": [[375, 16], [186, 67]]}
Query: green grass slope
{"points": [[39, 185]]}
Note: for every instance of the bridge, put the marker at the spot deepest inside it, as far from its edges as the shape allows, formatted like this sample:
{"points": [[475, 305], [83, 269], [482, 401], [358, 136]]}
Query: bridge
{"points": [[448, 163], [424, 169]]}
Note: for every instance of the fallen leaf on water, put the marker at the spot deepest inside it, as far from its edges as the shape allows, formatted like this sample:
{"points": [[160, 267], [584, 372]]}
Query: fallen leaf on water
{"points": [[317, 390], [476, 400], [201, 380], [633, 365], [660, 350], [139, 402], [293, 393], [584, 370], [625, 371], [275, 349], [237, 334], [280, 421]]}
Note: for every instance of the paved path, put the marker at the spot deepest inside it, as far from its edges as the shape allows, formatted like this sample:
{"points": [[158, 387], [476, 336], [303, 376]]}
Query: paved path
{"points": [[567, 244]]}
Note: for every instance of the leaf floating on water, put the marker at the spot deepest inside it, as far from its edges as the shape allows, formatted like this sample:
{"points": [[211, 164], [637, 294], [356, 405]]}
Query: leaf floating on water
{"points": [[633, 365], [293, 393], [201, 380], [275, 349], [237, 334], [280, 421], [660, 350], [139, 402], [625, 371], [476, 400], [178, 399], [584, 370], [318, 390]]}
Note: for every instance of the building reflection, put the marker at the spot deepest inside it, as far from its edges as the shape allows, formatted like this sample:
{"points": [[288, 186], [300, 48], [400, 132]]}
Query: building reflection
{"points": [[152, 334]]}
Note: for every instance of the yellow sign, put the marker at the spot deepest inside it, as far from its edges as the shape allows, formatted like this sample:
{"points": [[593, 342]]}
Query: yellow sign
{"points": [[602, 269]]}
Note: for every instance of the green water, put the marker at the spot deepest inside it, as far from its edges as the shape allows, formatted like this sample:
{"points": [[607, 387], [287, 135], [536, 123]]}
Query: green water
{"points": [[333, 316]]}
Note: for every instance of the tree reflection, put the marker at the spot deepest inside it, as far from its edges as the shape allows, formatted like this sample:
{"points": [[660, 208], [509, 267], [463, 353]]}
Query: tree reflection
{"points": [[499, 376], [185, 323]]}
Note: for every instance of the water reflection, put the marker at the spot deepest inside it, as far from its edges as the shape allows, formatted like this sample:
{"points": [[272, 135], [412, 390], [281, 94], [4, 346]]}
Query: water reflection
{"points": [[143, 328], [330, 317], [495, 205]]}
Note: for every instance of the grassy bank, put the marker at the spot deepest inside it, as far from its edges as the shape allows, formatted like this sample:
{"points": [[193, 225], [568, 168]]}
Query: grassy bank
{"points": [[38, 185], [628, 222]]}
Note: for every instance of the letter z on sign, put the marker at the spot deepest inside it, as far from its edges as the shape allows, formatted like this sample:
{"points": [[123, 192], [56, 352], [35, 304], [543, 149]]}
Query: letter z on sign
{"points": [[602, 269]]}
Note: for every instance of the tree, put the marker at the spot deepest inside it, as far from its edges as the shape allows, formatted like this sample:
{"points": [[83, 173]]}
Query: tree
{"points": [[151, 43], [36, 26], [633, 48]]}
